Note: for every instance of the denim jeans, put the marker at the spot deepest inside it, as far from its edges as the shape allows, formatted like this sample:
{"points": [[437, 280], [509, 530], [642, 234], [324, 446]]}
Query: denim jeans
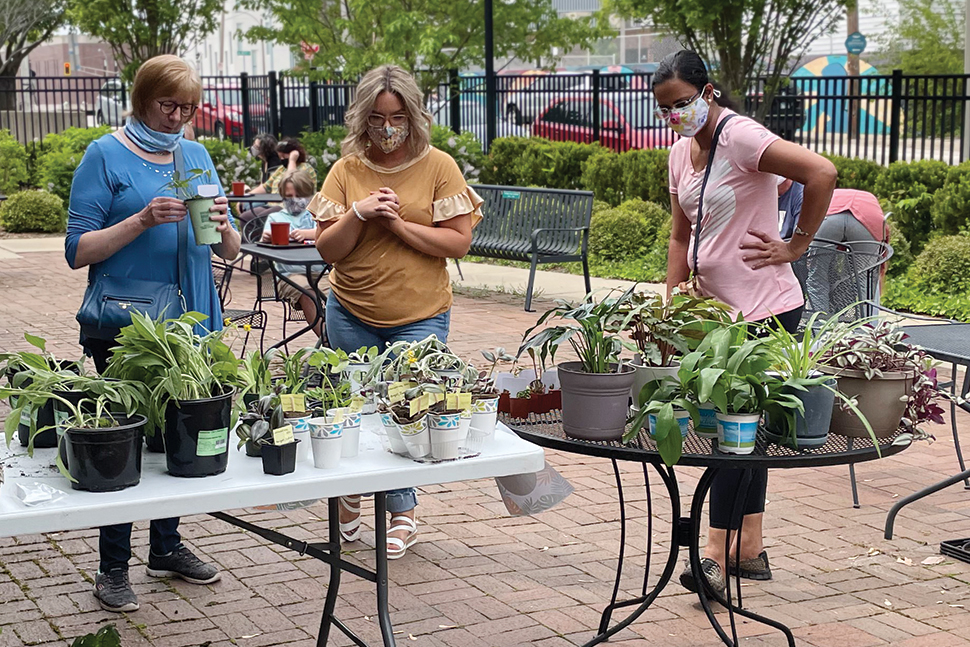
{"points": [[347, 332], [114, 543]]}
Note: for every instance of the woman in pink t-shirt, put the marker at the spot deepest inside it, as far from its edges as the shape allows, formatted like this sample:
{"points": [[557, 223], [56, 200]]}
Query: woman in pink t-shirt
{"points": [[741, 260]]}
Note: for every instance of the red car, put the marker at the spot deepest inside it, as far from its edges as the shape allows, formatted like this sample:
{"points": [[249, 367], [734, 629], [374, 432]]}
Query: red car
{"points": [[220, 114], [626, 122]]}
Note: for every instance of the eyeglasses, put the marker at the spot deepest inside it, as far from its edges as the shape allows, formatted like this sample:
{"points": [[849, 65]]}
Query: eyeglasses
{"points": [[376, 120], [185, 109], [664, 113]]}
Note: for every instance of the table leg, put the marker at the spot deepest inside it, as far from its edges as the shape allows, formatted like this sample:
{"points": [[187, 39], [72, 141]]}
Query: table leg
{"points": [[314, 293], [333, 534], [706, 593], [380, 548], [891, 518], [644, 601]]}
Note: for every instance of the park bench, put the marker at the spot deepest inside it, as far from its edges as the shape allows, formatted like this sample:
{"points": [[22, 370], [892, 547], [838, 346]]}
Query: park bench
{"points": [[536, 225]]}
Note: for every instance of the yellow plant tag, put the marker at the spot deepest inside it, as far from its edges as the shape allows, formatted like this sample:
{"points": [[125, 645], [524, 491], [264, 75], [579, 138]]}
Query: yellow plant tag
{"points": [[425, 401], [415, 406], [464, 400], [395, 391], [339, 415], [451, 401], [283, 435], [357, 404], [293, 402]]}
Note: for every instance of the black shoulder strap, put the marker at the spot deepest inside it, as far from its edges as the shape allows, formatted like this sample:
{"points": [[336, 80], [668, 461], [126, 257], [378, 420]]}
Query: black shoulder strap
{"points": [[183, 237], [707, 174]]}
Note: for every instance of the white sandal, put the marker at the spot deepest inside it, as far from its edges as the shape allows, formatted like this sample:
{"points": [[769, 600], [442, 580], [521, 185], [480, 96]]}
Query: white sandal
{"points": [[397, 547], [350, 531]]}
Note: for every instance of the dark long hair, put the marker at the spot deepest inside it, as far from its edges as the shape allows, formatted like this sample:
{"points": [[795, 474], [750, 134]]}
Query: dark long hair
{"points": [[267, 146], [687, 66], [290, 144]]}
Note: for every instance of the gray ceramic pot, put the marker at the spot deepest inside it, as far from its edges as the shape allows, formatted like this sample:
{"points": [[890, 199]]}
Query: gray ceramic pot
{"points": [[812, 428], [595, 405]]}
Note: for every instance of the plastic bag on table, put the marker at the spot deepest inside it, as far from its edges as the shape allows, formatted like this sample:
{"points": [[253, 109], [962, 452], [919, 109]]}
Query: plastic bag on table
{"points": [[528, 494]]}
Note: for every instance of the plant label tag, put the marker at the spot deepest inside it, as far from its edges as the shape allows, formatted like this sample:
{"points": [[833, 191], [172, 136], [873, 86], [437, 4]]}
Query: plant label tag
{"points": [[451, 401], [464, 401], [357, 404], [395, 391], [415, 406], [208, 190], [294, 402], [424, 401], [283, 435], [338, 416], [212, 442]]}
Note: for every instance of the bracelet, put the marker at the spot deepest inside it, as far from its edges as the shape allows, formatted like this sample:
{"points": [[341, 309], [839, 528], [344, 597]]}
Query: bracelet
{"points": [[801, 232], [353, 206]]}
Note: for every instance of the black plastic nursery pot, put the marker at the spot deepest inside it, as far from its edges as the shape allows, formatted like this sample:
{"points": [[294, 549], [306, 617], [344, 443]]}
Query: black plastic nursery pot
{"points": [[45, 416], [253, 450], [105, 459], [197, 436], [279, 459]]}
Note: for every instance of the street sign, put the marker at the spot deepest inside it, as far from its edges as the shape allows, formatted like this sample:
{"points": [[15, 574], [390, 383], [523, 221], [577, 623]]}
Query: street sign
{"points": [[244, 52], [855, 43]]}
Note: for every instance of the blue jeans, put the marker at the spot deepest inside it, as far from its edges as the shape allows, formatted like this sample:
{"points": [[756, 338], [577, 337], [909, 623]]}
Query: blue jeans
{"points": [[347, 332]]}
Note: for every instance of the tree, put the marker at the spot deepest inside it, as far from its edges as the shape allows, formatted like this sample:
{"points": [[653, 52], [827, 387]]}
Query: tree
{"points": [[426, 37], [740, 39], [137, 30], [927, 37], [24, 24]]}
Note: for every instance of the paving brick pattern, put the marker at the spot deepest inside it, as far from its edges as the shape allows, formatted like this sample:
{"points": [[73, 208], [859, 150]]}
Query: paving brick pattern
{"points": [[479, 578]]}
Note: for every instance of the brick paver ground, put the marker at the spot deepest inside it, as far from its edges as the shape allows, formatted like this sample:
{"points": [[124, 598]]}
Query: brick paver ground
{"points": [[479, 578]]}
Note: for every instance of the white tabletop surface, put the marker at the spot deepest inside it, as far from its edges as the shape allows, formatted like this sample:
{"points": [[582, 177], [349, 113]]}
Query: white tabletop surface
{"points": [[242, 485]]}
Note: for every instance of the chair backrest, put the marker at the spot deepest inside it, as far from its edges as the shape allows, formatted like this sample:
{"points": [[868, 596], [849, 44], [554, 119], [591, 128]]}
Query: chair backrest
{"points": [[221, 274], [252, 231], [512, 213], [835, 276]]}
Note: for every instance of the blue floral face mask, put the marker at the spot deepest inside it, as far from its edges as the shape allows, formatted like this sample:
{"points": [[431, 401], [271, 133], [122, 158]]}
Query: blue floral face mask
{"points": [[151, 140]]}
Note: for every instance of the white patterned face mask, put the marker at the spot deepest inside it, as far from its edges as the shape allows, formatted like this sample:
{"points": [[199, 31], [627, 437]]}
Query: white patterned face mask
{"points": [[389, 138], [690, 119], [295, 206]]}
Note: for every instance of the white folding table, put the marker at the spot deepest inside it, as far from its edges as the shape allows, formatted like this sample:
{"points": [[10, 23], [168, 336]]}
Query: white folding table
{"points": [[244, 485]]}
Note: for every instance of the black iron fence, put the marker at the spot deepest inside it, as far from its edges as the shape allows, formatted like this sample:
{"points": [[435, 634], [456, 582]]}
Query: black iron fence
{"points": [[882, 118]]}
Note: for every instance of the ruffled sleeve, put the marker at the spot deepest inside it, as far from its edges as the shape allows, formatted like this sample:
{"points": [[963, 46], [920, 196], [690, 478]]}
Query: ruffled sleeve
{"points": [[324, 210], [466, 202]]}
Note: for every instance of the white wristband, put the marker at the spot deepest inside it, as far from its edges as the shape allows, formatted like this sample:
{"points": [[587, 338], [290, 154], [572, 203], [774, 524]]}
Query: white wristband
{"points": [[353, 206]]}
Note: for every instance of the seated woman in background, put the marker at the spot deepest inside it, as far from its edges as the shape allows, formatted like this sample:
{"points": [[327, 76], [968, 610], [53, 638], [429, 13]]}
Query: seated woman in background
{"points": [[294, 158], [296, 188]]}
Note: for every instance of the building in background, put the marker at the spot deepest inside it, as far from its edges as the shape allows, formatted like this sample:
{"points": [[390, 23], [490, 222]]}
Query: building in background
{"points": [[227, 52], [85, 55]]}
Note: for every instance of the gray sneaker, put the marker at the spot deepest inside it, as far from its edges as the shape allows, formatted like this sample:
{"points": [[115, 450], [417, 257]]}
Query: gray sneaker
{"points": [[113, 591], [184, 564], [711, 571]]}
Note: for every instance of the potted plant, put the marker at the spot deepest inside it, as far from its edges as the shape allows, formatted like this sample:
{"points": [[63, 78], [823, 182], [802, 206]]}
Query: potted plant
{"points": [[485, 399], [279, 459], [665, 408], [336, 397], [882, 375], [596, 389], [198, 205], [100, 450], [255, 377], [796, 360], [664, 329], [730, 370], [257, 423], [191, 379], [35, 418]]}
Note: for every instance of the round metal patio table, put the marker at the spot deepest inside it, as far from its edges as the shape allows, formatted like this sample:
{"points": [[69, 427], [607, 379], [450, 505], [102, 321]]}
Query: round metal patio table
{"points": [[546, 430]]}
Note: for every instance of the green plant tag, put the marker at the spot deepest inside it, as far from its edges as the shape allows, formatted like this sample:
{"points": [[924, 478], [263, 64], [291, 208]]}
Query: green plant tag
{"points": [[25, 417], [213, 442], [511, 195], [59, 418]]}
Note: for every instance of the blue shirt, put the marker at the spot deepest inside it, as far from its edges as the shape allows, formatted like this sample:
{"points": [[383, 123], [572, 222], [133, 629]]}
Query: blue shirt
{"points": [[302, 221], [790, 202], [111, 184]]}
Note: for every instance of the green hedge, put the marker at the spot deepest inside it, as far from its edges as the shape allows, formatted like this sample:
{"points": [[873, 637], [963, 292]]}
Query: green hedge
{"points": [[522, 161], [233, 163], [856, 173], [904, 293], [630, 241], [909, 187], [13, 164], [32, 211], [323, 148], [62, 153]]}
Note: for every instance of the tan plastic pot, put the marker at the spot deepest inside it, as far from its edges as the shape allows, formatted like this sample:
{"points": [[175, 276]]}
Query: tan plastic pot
{"points": [[595, 405], [880, 400]]}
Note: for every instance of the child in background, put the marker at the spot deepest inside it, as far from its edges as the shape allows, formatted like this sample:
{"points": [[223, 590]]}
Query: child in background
{"points": [[296, 187]]}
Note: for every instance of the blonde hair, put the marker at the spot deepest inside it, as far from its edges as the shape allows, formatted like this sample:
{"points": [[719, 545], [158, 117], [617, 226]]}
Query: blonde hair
{"points": [[301, 181], [163, 76], [393, 79]]}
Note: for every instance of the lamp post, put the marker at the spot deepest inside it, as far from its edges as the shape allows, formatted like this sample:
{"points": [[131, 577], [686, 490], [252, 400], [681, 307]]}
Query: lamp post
{"points": [[490, 99]]}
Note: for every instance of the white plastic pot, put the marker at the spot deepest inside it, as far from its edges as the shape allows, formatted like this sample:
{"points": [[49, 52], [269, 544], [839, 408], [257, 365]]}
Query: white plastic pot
{"points": [[326, 451], [736, 433], [447, 434], [683, 421]]}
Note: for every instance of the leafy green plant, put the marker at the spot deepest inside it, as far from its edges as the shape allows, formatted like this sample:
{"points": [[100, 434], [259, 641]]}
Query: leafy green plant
{"points": [[232, 162], [465, 149], [174, 362], [106, 636], [323, 147], [484, 386], [255, 376], [590, 331], [626, 231], [910, 187], [855, 173], [943, 267], [902, 258], [13, 163], [257, 423], [662, 398], [27, 211], [181, 185], [903, 293]]}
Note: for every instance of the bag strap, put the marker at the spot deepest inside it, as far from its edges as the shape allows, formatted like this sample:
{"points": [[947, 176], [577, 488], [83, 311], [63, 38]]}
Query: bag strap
{"points": [[707, 174], [183, 234]]}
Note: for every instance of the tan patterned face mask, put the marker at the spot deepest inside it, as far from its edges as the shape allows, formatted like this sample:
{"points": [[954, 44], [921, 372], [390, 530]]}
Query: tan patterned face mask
{"points": [[389, 138]]}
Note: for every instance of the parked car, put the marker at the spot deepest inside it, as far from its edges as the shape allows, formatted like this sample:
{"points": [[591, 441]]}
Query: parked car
{"points": [[523, 105], [112, 103], [221, 114], [624, 124]]}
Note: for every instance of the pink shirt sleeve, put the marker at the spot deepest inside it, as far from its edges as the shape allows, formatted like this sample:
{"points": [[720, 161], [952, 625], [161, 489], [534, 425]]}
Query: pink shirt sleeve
{"points": [[747, 140], [675, 163]]}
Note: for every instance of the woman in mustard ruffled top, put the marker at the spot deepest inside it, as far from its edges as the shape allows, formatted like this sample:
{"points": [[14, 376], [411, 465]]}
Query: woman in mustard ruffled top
{"points": [[391, 211]]}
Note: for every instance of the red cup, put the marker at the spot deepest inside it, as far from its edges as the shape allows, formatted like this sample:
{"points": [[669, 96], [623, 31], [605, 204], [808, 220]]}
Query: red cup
{"points": [[279, 233], [239, 188]]}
